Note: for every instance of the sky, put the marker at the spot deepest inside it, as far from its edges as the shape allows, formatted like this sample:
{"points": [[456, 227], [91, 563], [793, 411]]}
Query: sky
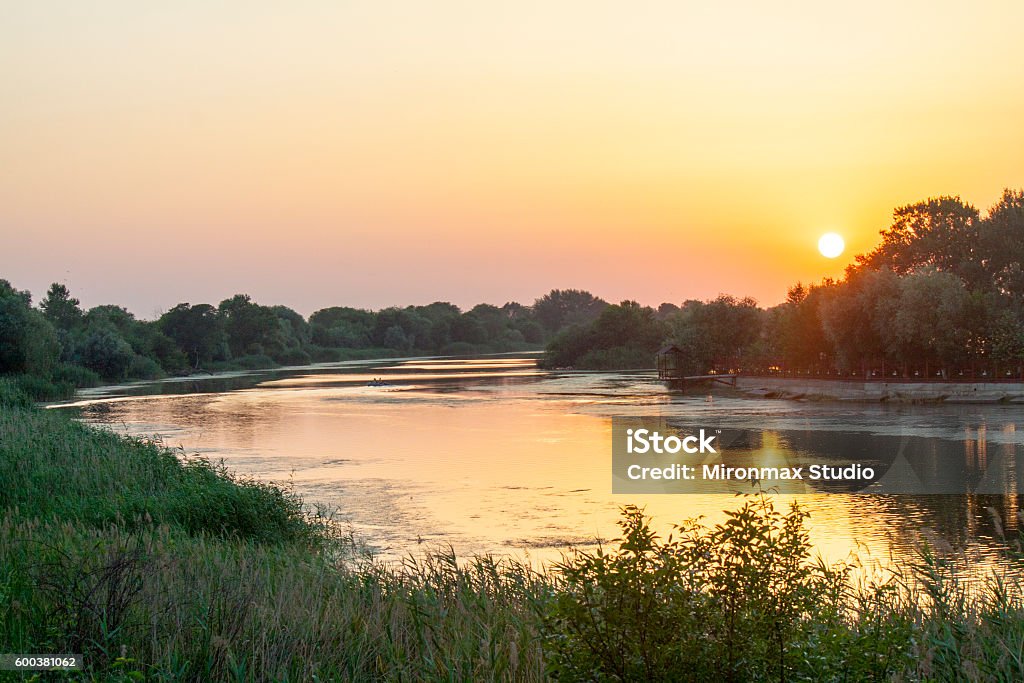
{"points": [[379, 153]]}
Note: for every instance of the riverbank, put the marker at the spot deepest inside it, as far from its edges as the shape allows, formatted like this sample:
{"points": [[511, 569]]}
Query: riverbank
{"points": [[158, 566], [874, 391]]}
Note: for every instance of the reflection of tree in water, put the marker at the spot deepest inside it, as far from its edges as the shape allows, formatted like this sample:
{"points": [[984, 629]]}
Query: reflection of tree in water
{"points": [[989, 520], [959, 522], [244, 420], [984, 522]]}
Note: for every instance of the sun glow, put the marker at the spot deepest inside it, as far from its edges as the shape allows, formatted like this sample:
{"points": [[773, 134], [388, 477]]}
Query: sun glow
{"points": [[831, 245]]}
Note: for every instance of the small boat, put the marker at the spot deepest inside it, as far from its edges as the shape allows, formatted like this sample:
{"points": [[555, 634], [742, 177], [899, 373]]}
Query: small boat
{"points": [[377, 383]]}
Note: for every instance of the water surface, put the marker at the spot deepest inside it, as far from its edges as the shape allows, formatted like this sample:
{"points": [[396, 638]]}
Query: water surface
{"points": [[492, 455]]}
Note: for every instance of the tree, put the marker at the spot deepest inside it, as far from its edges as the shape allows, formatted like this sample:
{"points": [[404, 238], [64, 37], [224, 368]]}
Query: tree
{"points": [[666, 310], [716, 332], [28, 342], [929, 321], [622, 336], [106, 353], [856, 314], [563, 307], [60, 308], [197, 330], [340, 326], [394, 338], [494, 320], [250, 328], [468, 328], [1002, 242], [941, 233]]}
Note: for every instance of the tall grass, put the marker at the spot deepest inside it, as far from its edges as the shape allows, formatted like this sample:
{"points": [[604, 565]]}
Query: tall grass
{"points": [[160, 567], [56, 469]]}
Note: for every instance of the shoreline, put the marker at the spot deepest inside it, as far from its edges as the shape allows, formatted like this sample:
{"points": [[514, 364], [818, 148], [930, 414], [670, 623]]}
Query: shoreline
{"points": [[105, 392], [979, 393], [101, 524]]}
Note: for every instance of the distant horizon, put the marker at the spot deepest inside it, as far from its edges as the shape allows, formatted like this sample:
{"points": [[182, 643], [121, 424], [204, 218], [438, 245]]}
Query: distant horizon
{"points": [[39, 293]]}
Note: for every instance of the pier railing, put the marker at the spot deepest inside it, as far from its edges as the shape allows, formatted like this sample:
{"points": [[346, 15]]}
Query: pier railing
{"points": [[917, 374]]}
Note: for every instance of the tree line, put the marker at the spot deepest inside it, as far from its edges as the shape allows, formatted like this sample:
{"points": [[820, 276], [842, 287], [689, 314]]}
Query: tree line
{"points": [[56, 346], [942, 295]]}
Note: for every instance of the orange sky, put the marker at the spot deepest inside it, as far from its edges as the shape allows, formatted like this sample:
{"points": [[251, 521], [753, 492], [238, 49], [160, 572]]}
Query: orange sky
{"points": [[378, 153]]}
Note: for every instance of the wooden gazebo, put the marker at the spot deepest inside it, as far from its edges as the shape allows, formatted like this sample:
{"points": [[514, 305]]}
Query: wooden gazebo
{"points": [[669, 361]]}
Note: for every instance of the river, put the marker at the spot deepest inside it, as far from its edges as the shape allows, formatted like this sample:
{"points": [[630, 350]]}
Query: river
{"points": [[492, 455]]}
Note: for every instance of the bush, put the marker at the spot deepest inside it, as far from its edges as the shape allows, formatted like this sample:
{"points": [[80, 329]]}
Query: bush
{"points": [[321, 354], [142, 367], [293, 356], [618, 358], [459, 349], [75, 375], [250, 362], [722, 603], [105, 352]]}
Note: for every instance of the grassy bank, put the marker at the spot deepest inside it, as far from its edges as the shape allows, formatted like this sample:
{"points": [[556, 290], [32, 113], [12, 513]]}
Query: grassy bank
{"points": [[159, 567]]}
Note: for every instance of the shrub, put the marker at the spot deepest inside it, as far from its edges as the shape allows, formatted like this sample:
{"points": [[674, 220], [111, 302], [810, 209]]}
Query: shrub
{"points": [[321, 354], [459, 349], [293, 356], [617, 358], [105, 352], [142, 367], [75, 375], [250, 362], [721, 603]]}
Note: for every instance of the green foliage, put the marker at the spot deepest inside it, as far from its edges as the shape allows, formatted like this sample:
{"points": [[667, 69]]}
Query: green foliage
{"points": [[941, 233], [341, 327], [743, 601], [930, 321], [458, 349], [60, 308], [105, 479], [12, 395], [252, 329], [158, 566], [38, 388], [27, 342], [294, 356], [562, 308], [745, 586], [104, 352], [616, 358], [1002, 243], [170, 568], [197, 330], [856, 317], [142, 367], [395, 338], [250, 362], [621, 337], [75, 375]]}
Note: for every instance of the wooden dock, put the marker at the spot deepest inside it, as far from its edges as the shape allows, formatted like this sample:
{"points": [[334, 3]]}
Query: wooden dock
{"points": [[681, 381], [670, 362]]}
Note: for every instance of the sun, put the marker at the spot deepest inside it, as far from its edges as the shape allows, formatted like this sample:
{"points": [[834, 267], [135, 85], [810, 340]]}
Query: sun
{"points": [[831, 245]]}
